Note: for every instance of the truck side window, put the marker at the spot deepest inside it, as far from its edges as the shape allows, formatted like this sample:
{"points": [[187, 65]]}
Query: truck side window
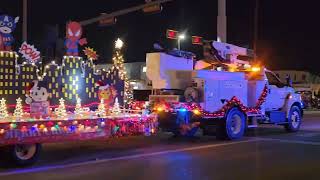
{"points": [[273, 80]]}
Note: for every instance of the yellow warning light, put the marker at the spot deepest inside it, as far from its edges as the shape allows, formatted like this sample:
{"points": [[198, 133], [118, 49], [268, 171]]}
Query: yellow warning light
{"points": [[159, 109], [196, 112], [255, 69]]}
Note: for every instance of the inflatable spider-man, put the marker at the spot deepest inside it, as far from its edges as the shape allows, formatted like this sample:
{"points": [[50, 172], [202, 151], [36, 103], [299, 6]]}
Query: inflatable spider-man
{"points": [[73, 38], [7, 26]]}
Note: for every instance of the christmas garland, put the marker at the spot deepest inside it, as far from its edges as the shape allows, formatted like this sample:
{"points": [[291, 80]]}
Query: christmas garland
{"points": [[235, 102]]}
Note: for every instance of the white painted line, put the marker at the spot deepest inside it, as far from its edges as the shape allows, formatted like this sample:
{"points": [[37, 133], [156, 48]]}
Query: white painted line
{"points": [[41, 169], [291, 141], [308, 134], [311, 112]]}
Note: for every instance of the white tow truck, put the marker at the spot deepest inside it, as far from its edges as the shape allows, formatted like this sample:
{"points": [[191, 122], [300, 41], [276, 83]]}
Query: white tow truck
{"points": [[189, 95]]}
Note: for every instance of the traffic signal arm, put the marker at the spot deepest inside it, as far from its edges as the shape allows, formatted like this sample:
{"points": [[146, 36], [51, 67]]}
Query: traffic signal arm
{"points": [[122, 12]]}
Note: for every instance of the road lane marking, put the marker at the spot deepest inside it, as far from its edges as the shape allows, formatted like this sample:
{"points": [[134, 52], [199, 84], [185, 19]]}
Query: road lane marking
{"points": [[291, 141], [308, 134], [129, 157]]}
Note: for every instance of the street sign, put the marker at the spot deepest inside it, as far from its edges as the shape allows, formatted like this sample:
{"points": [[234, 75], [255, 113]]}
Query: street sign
{"points": [[172, 34], [197, 40]]}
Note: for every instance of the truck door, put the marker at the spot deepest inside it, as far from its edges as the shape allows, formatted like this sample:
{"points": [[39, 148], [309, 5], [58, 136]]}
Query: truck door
{"points": [[277, 92], [211, 96]]}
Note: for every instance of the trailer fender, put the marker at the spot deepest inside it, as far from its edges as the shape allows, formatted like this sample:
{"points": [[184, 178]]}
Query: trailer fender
{"points": [[237, 107]]}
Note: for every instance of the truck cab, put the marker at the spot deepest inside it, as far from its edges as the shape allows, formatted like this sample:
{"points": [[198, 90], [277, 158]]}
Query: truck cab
{"points": [[283, 105], [278, 92]]}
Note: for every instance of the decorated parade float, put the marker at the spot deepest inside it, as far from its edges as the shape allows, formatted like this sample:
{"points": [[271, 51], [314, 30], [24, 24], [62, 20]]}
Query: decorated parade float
{"points": [[56, 102]]}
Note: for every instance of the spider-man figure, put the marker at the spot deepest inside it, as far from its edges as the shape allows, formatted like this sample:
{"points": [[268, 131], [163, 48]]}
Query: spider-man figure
{"points": [[74, 32]]}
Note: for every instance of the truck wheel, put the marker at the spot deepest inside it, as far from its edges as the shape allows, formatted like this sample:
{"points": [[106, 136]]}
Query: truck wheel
{"points": [[294, 119], [23, 154], [233, 127]]}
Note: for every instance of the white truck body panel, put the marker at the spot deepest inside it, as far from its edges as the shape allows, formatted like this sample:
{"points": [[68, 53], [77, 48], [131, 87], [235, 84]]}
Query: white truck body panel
{"points": [[219, 75], [218, 87]]}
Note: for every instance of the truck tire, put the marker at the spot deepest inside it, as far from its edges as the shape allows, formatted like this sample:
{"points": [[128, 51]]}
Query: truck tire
{"points": [[294, 120], [233, 126], [22, 154]]}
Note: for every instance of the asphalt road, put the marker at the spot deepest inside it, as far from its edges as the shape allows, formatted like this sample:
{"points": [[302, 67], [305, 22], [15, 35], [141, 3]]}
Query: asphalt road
{"points": [[265, 153]]}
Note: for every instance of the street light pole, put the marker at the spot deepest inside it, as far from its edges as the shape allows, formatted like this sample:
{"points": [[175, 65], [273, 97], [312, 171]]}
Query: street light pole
{"points": [[179, 48], [180, 37], [222, 21], [25, 21]]}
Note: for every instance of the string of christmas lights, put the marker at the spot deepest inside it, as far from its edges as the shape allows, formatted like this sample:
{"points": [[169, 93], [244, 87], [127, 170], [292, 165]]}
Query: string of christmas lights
{"points": [[101, 111], [196, 108], [82, 128], [118, 63], [61, 110], [78, 109], [18, 112], [3, 109]]}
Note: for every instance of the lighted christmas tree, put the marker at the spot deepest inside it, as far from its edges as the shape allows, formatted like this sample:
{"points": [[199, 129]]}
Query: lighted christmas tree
{"points": [[78, 110], [118, 62], [116, 108], [18, 112], [61, 110], [101, 111], [3, 109]]}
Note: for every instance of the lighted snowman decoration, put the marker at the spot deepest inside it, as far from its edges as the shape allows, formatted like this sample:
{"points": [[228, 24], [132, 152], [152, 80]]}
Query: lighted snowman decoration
{"points": [[37, 98]]}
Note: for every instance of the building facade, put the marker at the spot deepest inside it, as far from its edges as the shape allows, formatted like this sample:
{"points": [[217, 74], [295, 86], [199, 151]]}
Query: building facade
{"points": [[301, 80]]}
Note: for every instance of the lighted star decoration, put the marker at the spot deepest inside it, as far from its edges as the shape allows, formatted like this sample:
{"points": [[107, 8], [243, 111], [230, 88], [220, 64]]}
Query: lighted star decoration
{"points": [[90, 53], [119, 43]]}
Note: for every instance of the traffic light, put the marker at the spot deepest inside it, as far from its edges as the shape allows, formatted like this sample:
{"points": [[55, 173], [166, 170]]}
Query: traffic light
{"points": [[172, 34], [108, 21], [156, 8], [197, 40]]}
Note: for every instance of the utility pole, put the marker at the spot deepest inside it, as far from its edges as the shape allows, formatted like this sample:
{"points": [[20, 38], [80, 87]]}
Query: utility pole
{"points": [[222, 21], [25, 21], [256, 29]]}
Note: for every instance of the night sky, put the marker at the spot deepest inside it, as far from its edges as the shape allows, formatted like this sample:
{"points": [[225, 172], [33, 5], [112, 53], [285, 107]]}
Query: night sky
{"points": [[288, 30]]}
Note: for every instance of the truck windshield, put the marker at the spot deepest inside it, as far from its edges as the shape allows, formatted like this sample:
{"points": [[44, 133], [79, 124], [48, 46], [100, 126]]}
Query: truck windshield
{"points": [[273, 80]]}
